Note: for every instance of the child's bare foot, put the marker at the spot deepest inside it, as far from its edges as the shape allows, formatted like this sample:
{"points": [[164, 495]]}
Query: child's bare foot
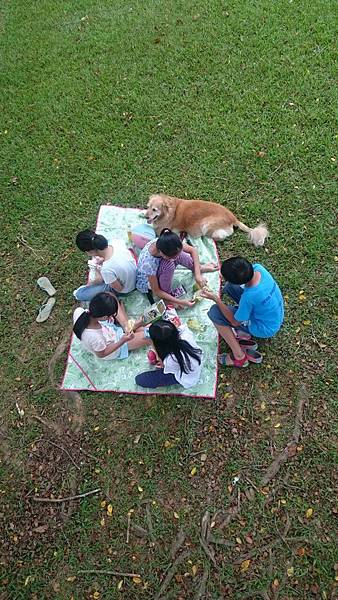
{"points": [[209, 267]]}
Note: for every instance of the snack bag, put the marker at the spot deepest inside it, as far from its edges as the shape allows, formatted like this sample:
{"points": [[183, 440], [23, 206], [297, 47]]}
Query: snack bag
{"points": [[154, 312], [172, 316]]}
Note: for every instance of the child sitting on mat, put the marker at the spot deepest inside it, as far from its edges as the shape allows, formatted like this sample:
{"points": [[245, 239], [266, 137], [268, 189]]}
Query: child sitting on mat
{"points": [[115, 266], [99, 334], [259, 310], [157, 263], [177, 354]]}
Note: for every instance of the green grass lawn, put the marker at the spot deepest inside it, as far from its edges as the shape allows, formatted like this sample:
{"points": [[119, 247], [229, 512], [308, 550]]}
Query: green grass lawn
{"points": [[110, 101]]}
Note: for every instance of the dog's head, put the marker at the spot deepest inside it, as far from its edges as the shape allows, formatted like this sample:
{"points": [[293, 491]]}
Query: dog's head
{"points": [[157, 208]]}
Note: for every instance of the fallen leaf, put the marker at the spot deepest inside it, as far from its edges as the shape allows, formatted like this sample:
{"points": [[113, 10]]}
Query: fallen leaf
{"points": [[103, 503], [290, 571], [238, 540], [102, 522], [245, 565], [275, 584], [140, 489], [137, 580], [249, 539], [193, 471], [306, 322], [71, 579], [137, 438], [176, 515], [203, 457], [109, 510], [309, 513], [300, 551], [41, 529], [277, 425], [260, 153], [120, 584], [194, 569], [96, 595]]}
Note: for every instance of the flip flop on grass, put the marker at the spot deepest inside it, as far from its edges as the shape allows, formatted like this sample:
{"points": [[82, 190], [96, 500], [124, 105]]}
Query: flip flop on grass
{"points": [[45, 310], [46, 286]]}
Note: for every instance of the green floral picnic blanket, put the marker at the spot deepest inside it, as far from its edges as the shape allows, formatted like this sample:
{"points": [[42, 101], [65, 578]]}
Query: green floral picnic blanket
{"points": [[84, 371]]}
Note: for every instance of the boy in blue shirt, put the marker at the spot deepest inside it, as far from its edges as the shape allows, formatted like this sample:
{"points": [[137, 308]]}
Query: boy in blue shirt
{"points": [[259, 311]]}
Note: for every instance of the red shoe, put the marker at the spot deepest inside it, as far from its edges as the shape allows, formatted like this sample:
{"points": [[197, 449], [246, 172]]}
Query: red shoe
{"points": [[239, 363], [152, 357]]}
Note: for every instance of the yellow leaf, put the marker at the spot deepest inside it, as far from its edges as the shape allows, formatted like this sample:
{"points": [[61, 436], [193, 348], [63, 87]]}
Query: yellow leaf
{"points": [[167, 444], [96, 595], [290, 572], [140, 489], [194, 569], [238, 540], [193, 471], [96, 429], [109, 510], [103, 503], [176, 515], [263, 405], [277, 425], [137, 580], [120, 584], [245, 565], [309, 513], [102, 522], [306, 322]]}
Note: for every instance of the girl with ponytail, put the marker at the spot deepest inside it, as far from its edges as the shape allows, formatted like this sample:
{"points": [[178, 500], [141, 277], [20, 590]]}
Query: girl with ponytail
{"points": [[157, 263], [98, 332], [114, 264], [179, 357]]}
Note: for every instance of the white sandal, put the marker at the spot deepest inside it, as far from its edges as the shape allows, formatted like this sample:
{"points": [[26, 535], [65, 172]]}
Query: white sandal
{"points": [[46, 286], [45, 310]]}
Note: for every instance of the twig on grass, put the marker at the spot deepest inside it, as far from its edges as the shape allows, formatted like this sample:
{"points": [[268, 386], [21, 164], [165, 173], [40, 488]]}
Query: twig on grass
{"points": [[177, 543], [200, 591], [65, 451], [104, 572], [181, 558], [36, 253], [67, 498], [128, 527], [283, 456], [150, 523], [88, 454], [209, 551]]}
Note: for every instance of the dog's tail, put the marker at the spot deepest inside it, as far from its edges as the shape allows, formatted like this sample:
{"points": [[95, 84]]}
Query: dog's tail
{"points": [[257, 235]]}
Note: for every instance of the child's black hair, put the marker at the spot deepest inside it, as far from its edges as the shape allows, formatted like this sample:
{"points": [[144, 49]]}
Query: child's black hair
{"points": [[166, 339], [88, 240], [103, 304], [169, 243], [237, 270]]}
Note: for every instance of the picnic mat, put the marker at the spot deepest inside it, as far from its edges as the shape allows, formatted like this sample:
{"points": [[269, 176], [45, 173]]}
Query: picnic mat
{"points": [[84, 371]]}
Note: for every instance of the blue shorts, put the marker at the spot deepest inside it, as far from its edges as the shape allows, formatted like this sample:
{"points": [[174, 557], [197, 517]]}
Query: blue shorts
{"points": [[216, 316]]}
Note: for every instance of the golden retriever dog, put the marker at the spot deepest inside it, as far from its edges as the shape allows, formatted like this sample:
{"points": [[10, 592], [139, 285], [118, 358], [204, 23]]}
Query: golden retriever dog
{"points": [[197, 218]]}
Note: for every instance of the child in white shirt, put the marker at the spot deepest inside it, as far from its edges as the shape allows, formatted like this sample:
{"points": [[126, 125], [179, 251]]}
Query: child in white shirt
{"points": [[99, 333]]}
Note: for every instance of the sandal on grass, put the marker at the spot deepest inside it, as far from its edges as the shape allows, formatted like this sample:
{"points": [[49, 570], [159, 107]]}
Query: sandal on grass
{"points": [[253, 355], [240, 334], [46, 286], [239, 363], [248, 345], [45, 310]]}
